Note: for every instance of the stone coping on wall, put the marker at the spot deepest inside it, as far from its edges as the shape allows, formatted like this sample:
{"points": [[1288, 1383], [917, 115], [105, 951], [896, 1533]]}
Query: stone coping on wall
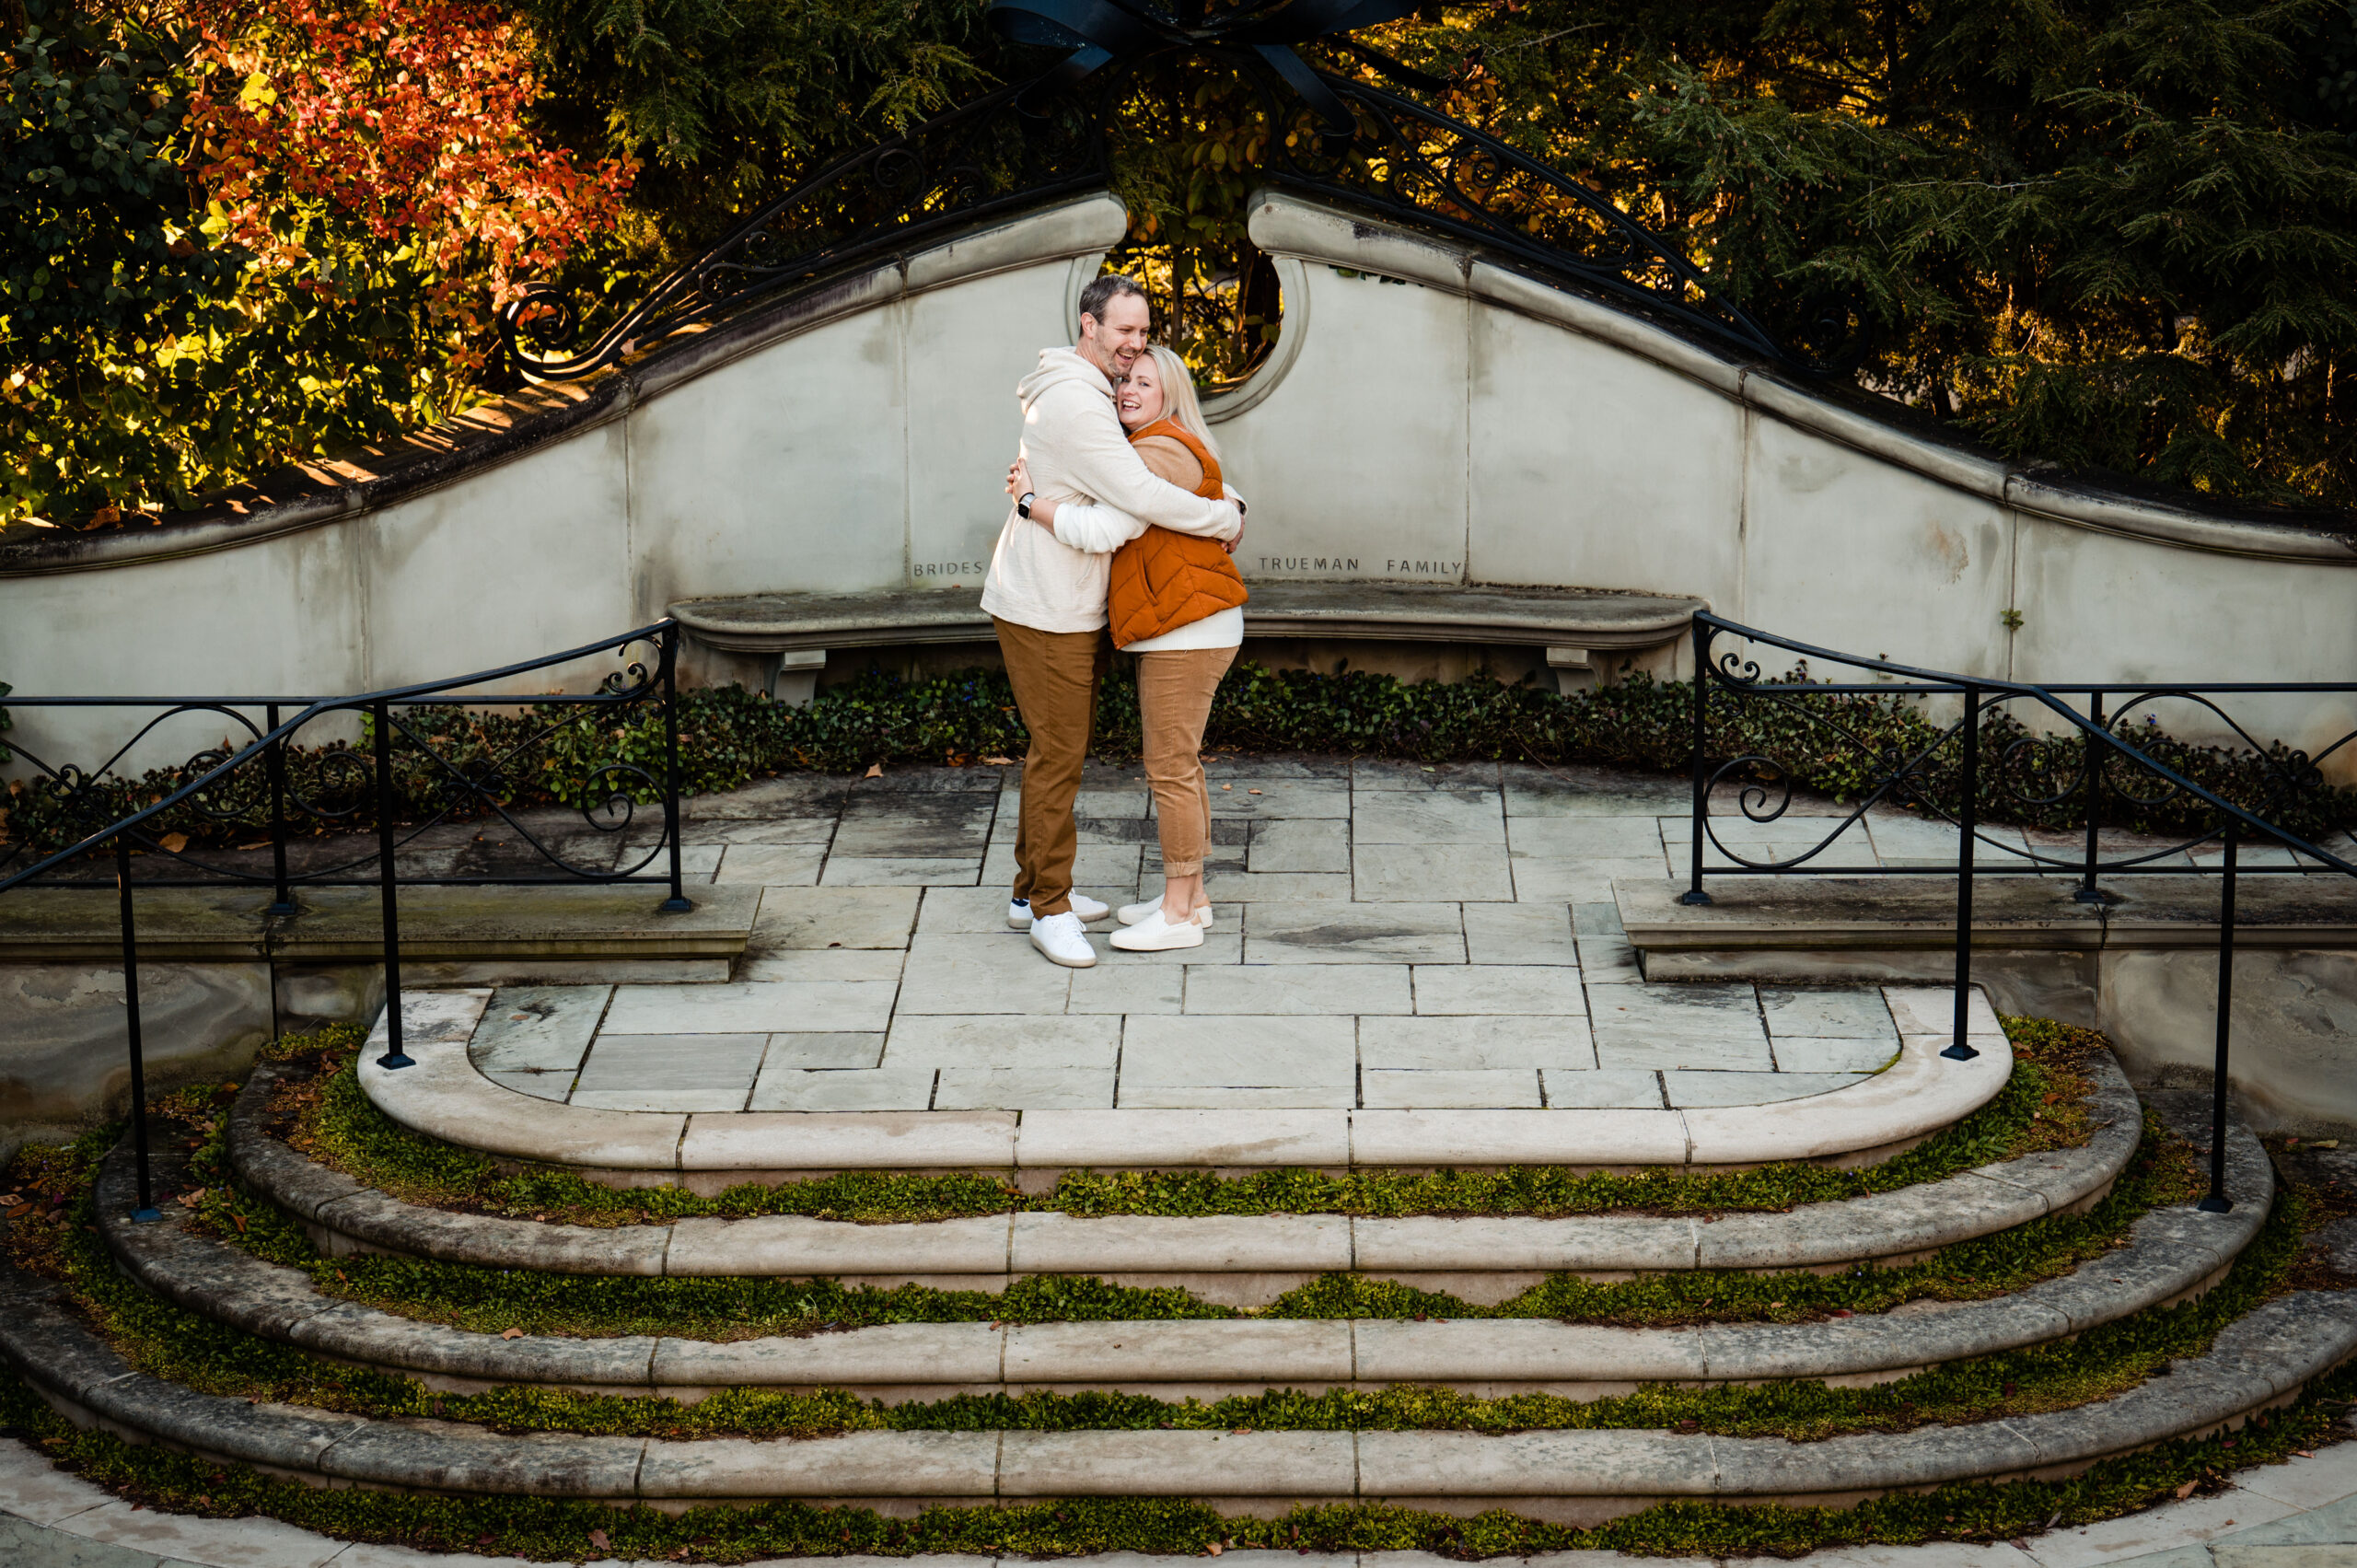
{"points": [[2170, 1255], [371, 477], [1241, 1259], [1288, 227], [1582, 1475], [445, 1097], [1583, 618], [1831, 913], [196, 924], [1292, 227]]}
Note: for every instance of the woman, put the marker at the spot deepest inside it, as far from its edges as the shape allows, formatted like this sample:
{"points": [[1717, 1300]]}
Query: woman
{"points": [[1176, 602]]}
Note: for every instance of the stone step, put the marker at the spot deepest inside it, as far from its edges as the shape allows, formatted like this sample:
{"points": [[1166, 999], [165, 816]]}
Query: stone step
{"points": [[443, 1095], [2171, 1254], [1238, 1261], [1574, 1476], [2281, 1514]]}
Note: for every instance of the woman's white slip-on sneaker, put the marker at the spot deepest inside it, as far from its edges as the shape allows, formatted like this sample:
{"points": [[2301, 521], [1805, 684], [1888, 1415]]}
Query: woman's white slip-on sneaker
{"points": [[1154, 935], [1019, 911], [1061, 940], [1131, 914]]}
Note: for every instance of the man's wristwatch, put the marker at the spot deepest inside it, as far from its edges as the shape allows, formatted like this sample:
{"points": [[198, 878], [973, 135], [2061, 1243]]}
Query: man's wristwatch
{"points": [[1022, 503]]}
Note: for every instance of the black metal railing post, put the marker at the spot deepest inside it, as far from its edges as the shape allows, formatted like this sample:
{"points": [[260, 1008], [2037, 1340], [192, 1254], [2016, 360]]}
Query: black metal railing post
{"points": [[2088, 893], [2217, 1203], [388, 890], [146, 1209], [1967, 819], [677, 903], [1694, 893], [283, 904]]}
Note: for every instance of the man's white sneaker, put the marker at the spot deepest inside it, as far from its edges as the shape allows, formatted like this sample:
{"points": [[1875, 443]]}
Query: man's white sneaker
{"points": [[1061, 940], [1019, 911], [1131, 913], [1154, 935]]}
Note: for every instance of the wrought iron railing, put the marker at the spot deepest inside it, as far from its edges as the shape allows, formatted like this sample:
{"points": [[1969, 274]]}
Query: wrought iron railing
{"points": [[72, 814], [2061, 751]]}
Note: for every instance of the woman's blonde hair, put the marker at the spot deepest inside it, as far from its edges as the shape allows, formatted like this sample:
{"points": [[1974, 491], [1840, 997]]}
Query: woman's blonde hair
{"points": [[1179, 404]]}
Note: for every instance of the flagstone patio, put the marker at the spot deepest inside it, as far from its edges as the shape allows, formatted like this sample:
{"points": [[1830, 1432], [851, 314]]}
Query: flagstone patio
{"points": [[1388, 935]]}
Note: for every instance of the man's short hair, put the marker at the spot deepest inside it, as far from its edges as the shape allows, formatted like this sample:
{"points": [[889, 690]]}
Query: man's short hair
{"points": [[1103, 291]]}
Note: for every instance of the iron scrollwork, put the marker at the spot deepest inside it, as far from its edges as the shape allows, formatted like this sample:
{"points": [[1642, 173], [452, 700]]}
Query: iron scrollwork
{"points": [[1034, 141], [459, 763], [1410, 162], [1011, 149], [2062, 770]]}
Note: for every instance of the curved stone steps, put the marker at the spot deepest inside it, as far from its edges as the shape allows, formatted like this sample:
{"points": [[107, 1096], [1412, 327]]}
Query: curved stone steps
{"points": [[1239, 1260], [1578, 1476], [443, 1097], [2171, 1254]]}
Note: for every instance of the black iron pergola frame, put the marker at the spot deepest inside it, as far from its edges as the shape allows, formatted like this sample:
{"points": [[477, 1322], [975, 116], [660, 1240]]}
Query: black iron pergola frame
{"points": [[1033, 144]]}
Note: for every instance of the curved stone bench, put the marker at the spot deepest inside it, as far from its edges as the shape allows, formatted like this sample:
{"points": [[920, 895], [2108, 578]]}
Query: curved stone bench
{"points": [[2170, 1255], [1581, 1476], [1242, 1260], [443, 1097], [795, 630]]}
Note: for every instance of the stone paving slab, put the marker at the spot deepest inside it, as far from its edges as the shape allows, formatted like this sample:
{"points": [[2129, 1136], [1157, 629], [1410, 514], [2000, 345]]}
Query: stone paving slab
{"points": [[1352, 893]]}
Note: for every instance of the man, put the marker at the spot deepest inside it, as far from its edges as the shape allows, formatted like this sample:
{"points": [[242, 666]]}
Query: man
{"points": [[1048, 599]]}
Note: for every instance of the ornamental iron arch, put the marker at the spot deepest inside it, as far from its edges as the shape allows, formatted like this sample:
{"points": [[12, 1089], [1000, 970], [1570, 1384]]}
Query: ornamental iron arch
{"points": [[1033, 143]]}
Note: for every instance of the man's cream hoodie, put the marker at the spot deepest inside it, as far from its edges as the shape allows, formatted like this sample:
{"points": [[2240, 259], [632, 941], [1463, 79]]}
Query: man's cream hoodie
{"points": [[1076, 449]]}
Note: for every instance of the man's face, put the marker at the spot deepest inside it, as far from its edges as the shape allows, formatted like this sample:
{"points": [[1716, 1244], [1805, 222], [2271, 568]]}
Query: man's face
{"points": [[1113, 341]]}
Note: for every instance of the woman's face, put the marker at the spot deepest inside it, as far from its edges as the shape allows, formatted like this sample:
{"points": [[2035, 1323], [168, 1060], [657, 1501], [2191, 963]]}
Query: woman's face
{"points": [[1139, 397]]}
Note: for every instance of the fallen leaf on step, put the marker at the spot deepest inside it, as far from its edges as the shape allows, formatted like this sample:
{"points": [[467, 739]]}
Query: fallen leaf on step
{"points": [[2187, 1490], [1227, 786], [1214, 1549], [1251, 792], [998, 761], [512, 1334], [2326, 1143], [875, 770], [175, 842], [2302, 1453], [597, 1538]]}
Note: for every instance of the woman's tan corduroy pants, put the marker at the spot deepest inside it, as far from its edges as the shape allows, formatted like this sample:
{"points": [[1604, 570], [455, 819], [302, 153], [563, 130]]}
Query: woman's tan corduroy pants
{"points": [[1175, 690]]}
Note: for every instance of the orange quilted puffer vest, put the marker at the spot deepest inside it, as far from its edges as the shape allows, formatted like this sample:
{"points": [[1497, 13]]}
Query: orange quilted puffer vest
{"points": [[1162, 580]]}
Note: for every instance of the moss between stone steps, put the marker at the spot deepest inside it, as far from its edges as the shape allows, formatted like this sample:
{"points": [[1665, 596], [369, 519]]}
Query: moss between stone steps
{"points": [[545, 1530], [169, 1342], [47, 1231], [494, 1301], [2043, 1106]]}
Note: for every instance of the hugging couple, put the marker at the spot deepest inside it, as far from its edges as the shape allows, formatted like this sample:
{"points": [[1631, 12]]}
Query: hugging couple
{"points": [[1120, 523]]}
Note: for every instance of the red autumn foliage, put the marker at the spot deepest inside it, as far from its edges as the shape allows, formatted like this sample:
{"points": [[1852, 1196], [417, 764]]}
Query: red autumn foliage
{"points": [[408, 119]]}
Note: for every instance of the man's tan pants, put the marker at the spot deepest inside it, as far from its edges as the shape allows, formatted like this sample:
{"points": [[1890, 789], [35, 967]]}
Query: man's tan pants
{"points": [[1055, 676]]}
